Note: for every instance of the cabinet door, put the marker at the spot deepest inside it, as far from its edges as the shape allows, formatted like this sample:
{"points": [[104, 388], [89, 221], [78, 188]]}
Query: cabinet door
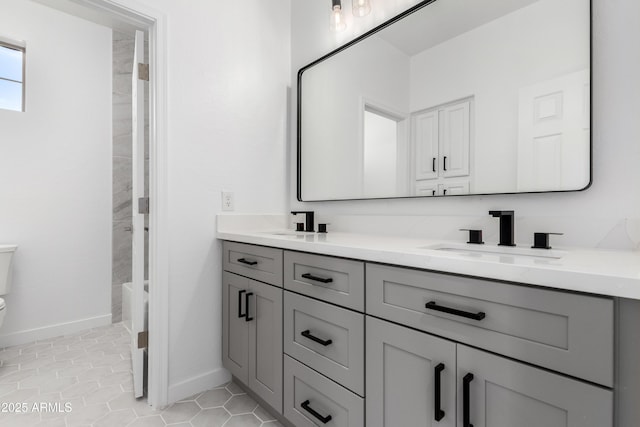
{"points": [[455, 139], [426, 188], [505, 393], [235, 328], [402, 371], [265, 342], [453, 188], [425, 142]]}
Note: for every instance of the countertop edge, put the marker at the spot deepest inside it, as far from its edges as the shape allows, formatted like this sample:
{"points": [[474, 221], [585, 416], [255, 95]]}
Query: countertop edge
{"points": [[604, 284]]}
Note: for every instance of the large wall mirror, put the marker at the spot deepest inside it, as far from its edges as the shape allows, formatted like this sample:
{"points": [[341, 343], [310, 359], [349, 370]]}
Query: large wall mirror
{"points": [[451, 97]]}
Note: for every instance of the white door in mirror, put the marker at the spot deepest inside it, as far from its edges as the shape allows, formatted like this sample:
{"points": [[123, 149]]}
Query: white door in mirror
{"points": [[554, 133]]}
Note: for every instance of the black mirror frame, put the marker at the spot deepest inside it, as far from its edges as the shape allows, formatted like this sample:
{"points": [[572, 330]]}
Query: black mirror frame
{"points": [[384, 25]]}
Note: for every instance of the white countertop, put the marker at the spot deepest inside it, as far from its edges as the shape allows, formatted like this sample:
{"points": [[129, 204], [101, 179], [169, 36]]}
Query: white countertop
{"points": [[605, 272]]}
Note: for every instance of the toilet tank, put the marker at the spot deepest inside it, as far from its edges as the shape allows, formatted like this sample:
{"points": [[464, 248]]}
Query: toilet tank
{"points": [[6, 255]]}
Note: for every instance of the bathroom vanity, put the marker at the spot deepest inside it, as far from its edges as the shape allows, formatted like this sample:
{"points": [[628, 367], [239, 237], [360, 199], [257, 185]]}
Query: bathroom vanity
{"points": [[345, 329], [352, 330]]}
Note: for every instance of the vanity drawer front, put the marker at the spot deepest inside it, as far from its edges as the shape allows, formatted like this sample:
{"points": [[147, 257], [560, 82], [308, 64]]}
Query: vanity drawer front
{"points": [[309, 325], [338, 281], [566, 332], [256, 262], [310, 398]]}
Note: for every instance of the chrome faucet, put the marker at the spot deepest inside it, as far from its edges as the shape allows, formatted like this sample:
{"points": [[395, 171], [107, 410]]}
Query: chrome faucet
{"points": [[507, 222], [309, 220]]}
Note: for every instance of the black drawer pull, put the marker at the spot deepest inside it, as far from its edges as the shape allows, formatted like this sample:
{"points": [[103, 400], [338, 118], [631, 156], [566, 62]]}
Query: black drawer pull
{"points": [[431, 305], [445, 163], [246, 306], [240, 315], [244, 261], [466, 380], [307, 334], [433, 164], [323, 420], [316, 278], [439, 413]]}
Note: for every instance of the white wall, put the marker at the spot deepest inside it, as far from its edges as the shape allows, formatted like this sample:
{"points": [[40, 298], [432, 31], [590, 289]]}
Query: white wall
{"points": [[610, 208], [55, 176], [228, 111]]}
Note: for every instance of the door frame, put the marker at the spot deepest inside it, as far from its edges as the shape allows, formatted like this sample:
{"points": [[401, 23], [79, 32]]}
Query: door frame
{"points": [[136, 14]]}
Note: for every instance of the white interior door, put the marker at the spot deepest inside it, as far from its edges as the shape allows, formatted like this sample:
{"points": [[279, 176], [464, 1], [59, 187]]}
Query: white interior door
{"points": [[553, 140], [137, 303]]}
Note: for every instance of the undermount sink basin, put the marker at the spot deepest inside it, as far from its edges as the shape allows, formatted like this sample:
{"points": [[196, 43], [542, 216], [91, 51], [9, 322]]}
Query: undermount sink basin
{"points": [[478, 250], [282, 233], [287, 233]]}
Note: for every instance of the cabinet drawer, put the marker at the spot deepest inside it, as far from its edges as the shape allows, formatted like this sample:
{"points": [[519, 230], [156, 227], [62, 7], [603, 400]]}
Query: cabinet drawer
{"points": [[310, 398], [256, 262], [336, 280], [565, 332], [327, 338]]}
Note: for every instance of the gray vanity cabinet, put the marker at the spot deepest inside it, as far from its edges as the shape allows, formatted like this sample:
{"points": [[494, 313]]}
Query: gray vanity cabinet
{"points": [[505, 393], [403, 366], [430, 349], [403, 369], [252, 335]]}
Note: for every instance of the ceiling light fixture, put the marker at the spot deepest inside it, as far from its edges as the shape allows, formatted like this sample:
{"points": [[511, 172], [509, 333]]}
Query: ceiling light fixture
{"points": [[361, 7], [337, 19]]}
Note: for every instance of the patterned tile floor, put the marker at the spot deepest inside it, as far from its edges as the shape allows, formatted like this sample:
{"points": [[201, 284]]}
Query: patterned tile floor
{"points": [[85, 380]]}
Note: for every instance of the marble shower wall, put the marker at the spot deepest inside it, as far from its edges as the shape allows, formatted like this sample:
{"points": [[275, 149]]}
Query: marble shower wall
{"points": [[123, 45], [122, 172]]}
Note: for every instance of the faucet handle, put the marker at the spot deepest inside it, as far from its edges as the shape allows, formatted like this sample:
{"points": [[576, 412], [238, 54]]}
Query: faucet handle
{"points": [[475, 236], [498, 214], [541, 240]]}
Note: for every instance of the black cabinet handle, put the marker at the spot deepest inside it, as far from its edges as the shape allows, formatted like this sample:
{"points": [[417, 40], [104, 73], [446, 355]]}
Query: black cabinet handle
{"points": [[244, 261], [307, 334], [431, 305], [433, 164], [433, 192], [466, 380], [439, 413], [316, 278], [444, 192], [444, 166], [246, 306], [323, 420], [240, 315]]}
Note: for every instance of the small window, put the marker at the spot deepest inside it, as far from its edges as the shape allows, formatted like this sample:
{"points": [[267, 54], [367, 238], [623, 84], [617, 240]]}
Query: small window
{"points": [[11, 77]]}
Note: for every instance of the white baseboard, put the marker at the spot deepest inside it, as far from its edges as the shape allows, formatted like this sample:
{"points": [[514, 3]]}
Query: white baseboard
{"points": [[51, 331], [198, 384]]}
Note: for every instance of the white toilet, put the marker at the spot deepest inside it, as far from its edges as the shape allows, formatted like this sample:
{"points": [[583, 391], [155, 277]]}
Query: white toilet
{"points": [[6, 255]]}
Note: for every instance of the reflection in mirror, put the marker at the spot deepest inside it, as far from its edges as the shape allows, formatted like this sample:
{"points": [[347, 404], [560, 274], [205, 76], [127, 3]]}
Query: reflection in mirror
{"points": [[457, 97], [383, 141]]}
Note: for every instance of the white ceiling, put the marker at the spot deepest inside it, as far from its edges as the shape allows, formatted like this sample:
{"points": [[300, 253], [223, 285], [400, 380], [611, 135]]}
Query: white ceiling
{"points": [[445, 19]]}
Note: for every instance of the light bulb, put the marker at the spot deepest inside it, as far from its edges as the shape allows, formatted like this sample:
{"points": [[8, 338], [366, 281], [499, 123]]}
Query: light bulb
{"points": [[361, 7], [337, 20]]}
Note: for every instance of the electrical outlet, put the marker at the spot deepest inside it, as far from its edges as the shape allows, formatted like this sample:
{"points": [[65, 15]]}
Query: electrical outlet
{"points": [[227, 200]]}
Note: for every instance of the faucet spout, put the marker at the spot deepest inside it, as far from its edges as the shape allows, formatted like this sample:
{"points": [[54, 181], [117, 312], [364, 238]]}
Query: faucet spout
{"points": [[309, 220], [507, 222]]}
